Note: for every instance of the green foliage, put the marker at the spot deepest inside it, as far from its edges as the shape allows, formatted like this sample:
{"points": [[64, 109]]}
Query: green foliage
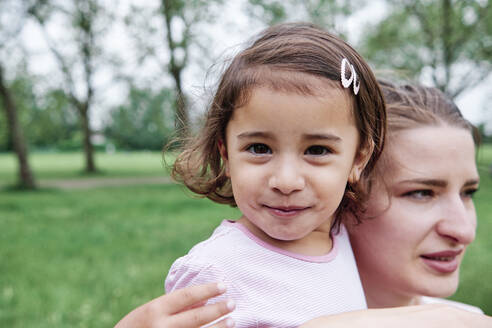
{"points": [[330, 14], [53, 123], [47, 119], [145, 121], [449, 40], [483, 135], [269, 11]]}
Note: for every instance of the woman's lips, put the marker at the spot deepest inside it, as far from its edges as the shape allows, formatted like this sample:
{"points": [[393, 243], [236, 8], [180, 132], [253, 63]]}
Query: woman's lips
{"points": [[286, 211], [443, 262]]}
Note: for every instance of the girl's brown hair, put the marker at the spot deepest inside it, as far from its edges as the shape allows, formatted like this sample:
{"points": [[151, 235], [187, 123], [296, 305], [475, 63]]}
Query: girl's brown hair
{"points": [[281, 58]]}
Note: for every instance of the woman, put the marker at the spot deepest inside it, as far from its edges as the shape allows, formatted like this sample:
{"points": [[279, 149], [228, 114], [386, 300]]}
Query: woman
{"points": [[421, 214], [420, 217]]}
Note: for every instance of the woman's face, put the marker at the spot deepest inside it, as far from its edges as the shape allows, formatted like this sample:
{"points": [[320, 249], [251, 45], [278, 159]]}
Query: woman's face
{"points": [[423, 217]]}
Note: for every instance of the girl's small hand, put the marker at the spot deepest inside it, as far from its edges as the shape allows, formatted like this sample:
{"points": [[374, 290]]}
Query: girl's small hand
{"points": [[184, 308]]}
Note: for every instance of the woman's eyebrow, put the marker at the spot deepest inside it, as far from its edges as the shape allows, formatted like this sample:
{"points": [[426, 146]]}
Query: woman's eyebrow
{"points": [[473, 182], [439, 183], [428, 182]]}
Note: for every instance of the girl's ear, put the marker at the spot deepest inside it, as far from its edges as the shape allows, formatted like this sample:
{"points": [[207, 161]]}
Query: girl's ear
{"points": [[223, 153], [361, 159]]}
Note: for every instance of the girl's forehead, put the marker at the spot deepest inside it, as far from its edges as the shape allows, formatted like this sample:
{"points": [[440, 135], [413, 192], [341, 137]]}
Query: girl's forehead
{"points": [[292, 81], [286, 114], [288, 82]]}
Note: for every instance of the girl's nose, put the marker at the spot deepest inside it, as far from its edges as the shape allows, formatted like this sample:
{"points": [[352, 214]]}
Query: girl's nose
{"points": [[286, 177], [459, 221]]}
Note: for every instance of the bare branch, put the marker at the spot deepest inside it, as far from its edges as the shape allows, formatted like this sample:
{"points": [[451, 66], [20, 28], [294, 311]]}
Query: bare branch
{"points": [[66, 73]]}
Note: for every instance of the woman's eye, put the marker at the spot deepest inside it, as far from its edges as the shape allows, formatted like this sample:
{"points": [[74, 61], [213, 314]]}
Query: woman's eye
{"points": [[470, 192], [259, 149], [420, 194], [317, 151]]}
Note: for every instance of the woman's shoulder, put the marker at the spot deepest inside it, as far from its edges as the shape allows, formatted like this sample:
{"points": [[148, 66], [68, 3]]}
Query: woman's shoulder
{"points": [[435, 300]]}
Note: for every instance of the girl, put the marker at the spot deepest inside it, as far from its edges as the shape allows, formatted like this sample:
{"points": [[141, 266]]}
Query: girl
{"points": [[407, 220], [420, 205], [297, 119]]}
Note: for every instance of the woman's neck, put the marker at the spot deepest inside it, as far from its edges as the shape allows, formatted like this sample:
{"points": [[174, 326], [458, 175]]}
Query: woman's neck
{"points": [[382, 298]]}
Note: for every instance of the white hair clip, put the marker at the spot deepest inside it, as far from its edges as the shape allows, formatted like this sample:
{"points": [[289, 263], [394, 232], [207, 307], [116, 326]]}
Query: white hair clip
{"points": [[353, 76]]}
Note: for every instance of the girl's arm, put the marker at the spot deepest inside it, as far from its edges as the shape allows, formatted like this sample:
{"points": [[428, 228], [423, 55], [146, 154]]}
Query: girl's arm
{"points": [[421, 316], [182, 308]]}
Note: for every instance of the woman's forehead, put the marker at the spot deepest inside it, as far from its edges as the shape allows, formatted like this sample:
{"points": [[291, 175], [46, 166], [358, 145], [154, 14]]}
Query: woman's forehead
{"points": [[433, 150]]}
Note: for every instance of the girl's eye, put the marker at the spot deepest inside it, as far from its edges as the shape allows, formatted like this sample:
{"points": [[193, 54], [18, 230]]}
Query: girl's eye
{"points": [[259, 149], [317, 151], [470, 192], [420, 194]]}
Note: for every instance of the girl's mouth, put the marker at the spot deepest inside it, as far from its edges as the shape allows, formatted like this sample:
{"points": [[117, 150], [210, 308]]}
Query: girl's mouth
{"points": [[285, 211]]}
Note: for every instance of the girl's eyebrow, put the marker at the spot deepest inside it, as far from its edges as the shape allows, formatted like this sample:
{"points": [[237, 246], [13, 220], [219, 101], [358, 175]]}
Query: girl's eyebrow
{"points": [[255, 134], [307, 136], [322, 136]]}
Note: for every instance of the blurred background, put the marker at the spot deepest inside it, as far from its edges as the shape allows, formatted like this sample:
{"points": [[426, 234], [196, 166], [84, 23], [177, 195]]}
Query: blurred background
{"points": [[90, 91]]}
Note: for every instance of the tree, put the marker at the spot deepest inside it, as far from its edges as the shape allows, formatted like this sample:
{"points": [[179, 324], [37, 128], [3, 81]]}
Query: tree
{"points": [[179, 33], [26, 177], [448, 41], [8, 32], [51, 124], [78, 69], [142, 122], [329, 14]]}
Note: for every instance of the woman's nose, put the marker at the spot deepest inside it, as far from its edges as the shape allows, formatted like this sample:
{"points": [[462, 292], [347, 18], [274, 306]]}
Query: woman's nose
{"points": [[459, 221], [286, 177]]}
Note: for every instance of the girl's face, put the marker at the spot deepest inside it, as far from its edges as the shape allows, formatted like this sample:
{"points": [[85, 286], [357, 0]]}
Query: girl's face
{"points": [[424, 217], [289, 157]]}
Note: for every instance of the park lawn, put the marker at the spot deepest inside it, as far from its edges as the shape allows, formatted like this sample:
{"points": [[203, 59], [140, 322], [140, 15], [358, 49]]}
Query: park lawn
{"points": [[119, 164], [84, 258], [71, 165], [477, 265], [484, 157]]}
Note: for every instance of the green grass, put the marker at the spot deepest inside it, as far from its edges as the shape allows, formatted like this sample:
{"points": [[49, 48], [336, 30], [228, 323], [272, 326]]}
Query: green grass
{"points": [[477, 264], [484, 157], [71, 165], [84, 258]]}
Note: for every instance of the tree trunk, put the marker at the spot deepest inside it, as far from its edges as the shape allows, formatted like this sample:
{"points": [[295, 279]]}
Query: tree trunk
{"points": [[181, 121], [182, 118], [26, 178], [90, 166]]}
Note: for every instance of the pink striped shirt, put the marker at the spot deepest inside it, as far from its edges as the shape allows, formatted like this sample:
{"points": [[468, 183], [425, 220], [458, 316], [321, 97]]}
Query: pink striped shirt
{"points": [[271, 287]]}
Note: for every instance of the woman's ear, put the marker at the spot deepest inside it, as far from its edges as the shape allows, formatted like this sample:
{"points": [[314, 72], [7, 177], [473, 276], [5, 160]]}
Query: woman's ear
{"points": [[360, 162], [223, 154]]}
